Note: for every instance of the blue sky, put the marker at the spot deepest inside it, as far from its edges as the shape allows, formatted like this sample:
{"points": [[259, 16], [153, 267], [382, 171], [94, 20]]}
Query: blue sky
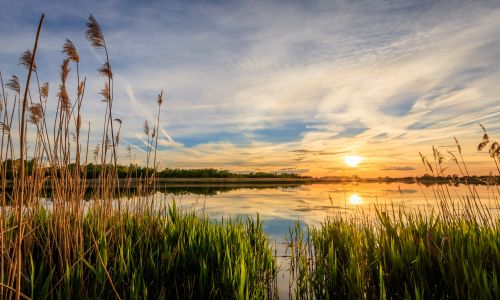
{"points": [[250, 84]]}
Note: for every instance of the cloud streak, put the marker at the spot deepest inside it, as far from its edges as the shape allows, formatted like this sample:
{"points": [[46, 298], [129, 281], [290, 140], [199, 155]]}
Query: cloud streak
{"points": [[295, 85]]}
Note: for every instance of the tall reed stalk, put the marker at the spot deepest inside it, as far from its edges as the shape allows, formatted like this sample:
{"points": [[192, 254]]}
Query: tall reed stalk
{"points": [[67, 248]]}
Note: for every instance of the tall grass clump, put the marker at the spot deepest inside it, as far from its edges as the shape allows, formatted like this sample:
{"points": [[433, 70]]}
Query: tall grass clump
{"points": [[449, 253], [408, 257], [76, 250], [140, 256]]}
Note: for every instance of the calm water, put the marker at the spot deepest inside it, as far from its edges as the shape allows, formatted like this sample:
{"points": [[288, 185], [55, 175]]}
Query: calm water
{"points": [[281, 206]]}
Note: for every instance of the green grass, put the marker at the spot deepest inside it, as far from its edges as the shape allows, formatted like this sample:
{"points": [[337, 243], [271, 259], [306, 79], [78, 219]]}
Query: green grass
{"points": [[180, 256], [407, 256], [67, 253]]}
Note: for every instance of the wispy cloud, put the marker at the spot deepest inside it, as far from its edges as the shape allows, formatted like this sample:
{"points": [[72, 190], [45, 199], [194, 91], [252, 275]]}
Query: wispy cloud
{"points": [[284, 85]]}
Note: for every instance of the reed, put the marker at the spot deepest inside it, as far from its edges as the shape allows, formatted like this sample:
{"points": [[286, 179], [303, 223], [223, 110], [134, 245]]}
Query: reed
{"points": [[106, 250], [179, 255], [71, 250], [452, 252]]}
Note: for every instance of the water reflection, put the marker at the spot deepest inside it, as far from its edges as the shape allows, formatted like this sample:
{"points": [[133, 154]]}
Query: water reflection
{"points": [[355, 199], [280, 206], [312, 203]]}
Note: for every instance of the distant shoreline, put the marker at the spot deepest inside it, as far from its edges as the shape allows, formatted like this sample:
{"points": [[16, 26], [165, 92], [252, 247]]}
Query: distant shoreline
{"points": [[210, 181], [292, 181]]}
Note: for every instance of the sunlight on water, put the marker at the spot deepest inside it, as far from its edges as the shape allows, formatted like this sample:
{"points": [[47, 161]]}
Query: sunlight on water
{"points": [[355, 199]]}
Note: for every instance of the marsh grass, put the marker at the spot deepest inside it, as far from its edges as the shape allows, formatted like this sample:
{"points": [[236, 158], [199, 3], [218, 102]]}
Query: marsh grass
{"points": [[410, 257], [167, 255], [68, 252], [72, 251], [452, 252]]}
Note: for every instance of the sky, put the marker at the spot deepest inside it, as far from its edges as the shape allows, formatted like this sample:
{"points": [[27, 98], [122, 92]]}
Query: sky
{"points": [[285, 86]]}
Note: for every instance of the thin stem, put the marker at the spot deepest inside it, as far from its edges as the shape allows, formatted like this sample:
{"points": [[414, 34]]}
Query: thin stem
{"points": [[21, 159]]}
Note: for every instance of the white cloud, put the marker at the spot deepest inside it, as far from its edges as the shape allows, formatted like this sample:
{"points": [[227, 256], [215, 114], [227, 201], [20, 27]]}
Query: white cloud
{"points": [[411, 73]]}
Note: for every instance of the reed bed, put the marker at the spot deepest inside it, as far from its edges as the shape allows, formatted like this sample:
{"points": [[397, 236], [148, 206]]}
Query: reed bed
{"points": [[406, 257], [169, 255], [109, 251], [448, 253], [73, 251]]}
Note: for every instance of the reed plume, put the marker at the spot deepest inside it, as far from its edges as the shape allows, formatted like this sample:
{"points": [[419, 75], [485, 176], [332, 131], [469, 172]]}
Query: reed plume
{"points": [[105, 93], [105, 70], [14, 85], [44, 90], [159, 101], [70, 50], [27, 60], [94, 33]]}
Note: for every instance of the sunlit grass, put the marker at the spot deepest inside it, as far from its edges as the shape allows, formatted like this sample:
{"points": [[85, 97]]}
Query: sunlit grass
{"points": [[452, 252], [110, 252], [178, 256]]}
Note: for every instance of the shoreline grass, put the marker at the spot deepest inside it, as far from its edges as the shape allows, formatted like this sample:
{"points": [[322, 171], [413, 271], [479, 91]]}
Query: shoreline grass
{"points": [[408, 256], [110, 252], [167, 255]]}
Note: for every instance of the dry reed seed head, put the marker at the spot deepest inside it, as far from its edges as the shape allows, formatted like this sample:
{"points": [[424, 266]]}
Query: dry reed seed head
{"points": [[70, 50], [94, 33], [453, 157], [129, 151], [146, 127], [458, 145], [63, 97], [26, 60], [35, 113], [482, 127], [96, 152], [105, 93], [73, 137], [65, 70], [482, 145], [153, 133], [105, 70], [494, 149], [13, 84], [81, 87], [160, 98], [44, 90], [422, 157], [5, 127], [430, 166]]}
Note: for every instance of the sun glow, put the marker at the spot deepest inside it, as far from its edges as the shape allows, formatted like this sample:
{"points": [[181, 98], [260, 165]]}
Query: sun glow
{"points": [[355, 199], [353, 160]]}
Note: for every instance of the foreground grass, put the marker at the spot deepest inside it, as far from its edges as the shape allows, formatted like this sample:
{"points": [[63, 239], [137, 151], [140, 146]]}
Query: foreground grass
{"points": [[406, 256], [140, 256], [183, 255], [71, 254]]}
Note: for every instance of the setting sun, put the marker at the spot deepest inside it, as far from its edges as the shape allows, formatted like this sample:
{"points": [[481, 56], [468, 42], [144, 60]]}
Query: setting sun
{"points": [[357, 142], [355, 199], [353, 160]]}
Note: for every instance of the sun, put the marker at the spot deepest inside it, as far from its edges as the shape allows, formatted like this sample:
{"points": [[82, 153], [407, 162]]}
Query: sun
{"points": [[353, 160], [355, 199]]}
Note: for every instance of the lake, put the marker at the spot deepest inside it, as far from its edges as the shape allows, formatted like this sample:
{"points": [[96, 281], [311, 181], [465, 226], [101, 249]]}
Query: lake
{"points": [[281, 205]]}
